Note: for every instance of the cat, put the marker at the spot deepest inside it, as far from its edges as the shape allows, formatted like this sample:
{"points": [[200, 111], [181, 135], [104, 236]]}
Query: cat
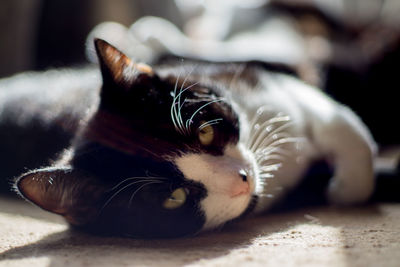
{"points": [[178, 148]]}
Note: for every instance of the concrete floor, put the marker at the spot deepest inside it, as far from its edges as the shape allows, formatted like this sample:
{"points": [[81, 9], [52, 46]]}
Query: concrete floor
{"points": [[362, 236]]}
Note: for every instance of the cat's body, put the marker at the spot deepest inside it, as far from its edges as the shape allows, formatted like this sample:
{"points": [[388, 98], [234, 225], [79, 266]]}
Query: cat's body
{"points": [[39, 115], [181, 147]]}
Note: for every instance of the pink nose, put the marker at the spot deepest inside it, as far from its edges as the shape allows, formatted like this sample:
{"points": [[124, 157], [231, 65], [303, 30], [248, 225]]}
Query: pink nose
{"points": [[240, 186]]}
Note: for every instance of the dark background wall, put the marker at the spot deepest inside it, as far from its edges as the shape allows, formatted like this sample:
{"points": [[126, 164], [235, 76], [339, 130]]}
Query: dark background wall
{"points": [[39, 34]]}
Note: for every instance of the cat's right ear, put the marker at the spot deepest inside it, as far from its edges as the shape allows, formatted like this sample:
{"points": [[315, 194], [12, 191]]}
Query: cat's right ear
{"points": [[63, 191], [117, 68]]}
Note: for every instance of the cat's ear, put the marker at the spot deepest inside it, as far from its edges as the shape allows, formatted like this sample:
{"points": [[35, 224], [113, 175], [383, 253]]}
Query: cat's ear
{"points": [[63, 191], [116, 67]]}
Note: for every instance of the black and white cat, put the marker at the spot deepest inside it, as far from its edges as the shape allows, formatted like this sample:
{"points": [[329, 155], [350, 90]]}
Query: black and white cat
{"points": [[177, 148]]}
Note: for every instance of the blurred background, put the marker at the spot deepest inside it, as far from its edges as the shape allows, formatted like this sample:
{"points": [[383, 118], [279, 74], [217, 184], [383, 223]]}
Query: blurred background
{"points": [[39, 34], [349, 48]]}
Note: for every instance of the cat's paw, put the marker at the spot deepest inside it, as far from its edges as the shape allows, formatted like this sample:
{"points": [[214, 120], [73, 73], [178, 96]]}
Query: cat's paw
{"points": [[350, 190]]}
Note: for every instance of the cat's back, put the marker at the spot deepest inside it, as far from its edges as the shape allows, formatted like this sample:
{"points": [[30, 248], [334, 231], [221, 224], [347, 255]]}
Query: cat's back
{"points": [[48, 95], [39, 114]]}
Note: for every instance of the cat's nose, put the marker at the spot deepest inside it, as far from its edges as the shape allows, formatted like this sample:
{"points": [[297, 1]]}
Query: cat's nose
{"points": [[243, 175], [237, 187]]}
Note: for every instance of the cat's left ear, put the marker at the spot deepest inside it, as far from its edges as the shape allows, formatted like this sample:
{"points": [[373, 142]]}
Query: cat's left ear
{"points": [[117, 68], [64, 191]]}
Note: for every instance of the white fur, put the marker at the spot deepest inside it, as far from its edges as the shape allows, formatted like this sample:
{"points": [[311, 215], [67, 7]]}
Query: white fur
{"points": [[317, 127], [219, 174], [330, 131]]}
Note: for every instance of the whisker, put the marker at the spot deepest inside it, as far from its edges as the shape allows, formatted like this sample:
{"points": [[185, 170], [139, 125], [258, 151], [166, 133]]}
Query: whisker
{"points": [[189, 121], [201, 95], [176, 113], [266, 195], [272, 138], [253, 124], [144, 178], [180, 120], [205, 99], [208, 123], [265, 129], [187, 88], [270, 150], [183, 103], [119, 191], [266, 175], [287, 140], [179, 115], [173, 107], [269, 157], [184, 81], [262, 182], [137, 190], [272, 167]]}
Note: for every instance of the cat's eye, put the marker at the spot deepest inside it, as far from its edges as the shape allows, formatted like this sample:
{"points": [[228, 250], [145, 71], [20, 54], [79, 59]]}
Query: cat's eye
{"points": [[176, 199], [206, 135]]}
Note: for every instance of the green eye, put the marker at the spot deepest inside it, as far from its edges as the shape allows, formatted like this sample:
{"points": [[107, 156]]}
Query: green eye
{"points": [[206, 135], [176, 199]]}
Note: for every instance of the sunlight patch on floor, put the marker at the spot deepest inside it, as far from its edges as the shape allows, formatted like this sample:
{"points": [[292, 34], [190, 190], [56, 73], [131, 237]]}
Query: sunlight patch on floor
{"points": [[35, 261], [30, 230], [309, 244]]}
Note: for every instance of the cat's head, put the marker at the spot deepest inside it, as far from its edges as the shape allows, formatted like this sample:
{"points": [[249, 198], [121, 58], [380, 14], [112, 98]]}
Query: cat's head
{"points": [[161, 156]]}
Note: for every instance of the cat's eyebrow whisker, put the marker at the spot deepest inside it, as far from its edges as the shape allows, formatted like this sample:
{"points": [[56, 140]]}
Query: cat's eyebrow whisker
{"points": [[181, 106], [204, 99], [179, 115], [137, 190], [143, 178], [176, 113], [189, 121], [209, 123], [173, 107], [184, 81], [187, 88], [119, 191], [180, 120]]}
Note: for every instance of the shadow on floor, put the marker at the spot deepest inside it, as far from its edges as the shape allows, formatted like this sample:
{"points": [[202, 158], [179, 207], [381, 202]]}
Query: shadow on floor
{"points": [[69, 246]]}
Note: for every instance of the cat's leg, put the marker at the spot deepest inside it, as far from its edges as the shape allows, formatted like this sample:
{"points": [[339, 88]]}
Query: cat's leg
{"points": [[341, 138], [344, 140]]}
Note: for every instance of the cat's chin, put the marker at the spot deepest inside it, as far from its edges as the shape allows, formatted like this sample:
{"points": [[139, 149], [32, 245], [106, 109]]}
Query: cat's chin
{"points": [[220, 209]]}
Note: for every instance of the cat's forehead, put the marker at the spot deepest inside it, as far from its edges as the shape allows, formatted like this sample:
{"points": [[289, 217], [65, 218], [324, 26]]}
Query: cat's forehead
{"points": [[163, 114]]}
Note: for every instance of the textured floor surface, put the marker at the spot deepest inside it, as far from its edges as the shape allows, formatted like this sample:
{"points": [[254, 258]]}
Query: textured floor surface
{"points": [[363, 236]]}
